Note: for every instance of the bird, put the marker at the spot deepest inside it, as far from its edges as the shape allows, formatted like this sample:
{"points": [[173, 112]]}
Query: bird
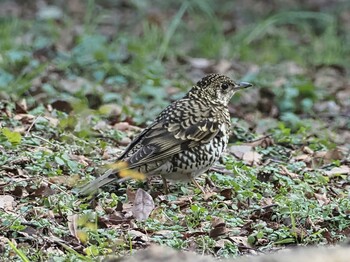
{"points": [[184, 140]]}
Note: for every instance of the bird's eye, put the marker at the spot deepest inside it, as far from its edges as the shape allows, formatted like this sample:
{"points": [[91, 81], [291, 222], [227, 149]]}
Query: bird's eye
{"points": [[224, 86]]}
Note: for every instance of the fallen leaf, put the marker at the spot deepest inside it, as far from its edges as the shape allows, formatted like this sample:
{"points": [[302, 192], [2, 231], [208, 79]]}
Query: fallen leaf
{"points": [[267, 201], [62, 105], [143, 205], [264, 142], [200, 63], [7, 202], [252, 158], [110, 109], [341, 170], [125, 126], [285, 171], [246, 153], [217, 222], [307, 150], [303, 158], [116, 218], [218, 231], [239, 151], [208, 195], [65, 180], [183, 202], [329, 156], [139, 236], [21, 107], [226, 193], [322, 199], [240, 241], [131, 194], [43, 191], [165, 233], [219, 227], [221, 243], [73, 225]]}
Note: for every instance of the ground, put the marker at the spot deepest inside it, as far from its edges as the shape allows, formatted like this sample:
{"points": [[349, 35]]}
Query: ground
{"points": [[79, 80]]}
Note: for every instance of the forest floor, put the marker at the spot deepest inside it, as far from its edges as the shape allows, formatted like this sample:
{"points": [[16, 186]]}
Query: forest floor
{"points": [[79, 81]]}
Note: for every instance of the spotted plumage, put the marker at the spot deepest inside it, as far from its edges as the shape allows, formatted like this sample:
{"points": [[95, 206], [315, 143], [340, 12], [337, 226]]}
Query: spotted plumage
{"points": [[186, 138]]}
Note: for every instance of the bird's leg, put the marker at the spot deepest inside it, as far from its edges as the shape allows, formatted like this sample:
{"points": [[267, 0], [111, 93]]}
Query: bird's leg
{"points": [[198, 185], [165, 186]]}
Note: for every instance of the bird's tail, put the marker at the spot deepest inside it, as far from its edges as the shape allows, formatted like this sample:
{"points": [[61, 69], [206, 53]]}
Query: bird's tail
{"points": [[117, 173], [108, 177]]}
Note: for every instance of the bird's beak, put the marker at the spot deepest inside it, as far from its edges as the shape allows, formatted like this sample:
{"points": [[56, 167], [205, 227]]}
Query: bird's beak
{"points": [[243, 85]]}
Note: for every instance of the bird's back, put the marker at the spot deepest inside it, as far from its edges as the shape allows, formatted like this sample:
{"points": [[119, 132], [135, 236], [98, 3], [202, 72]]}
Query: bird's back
{"points": [[188, 135]]}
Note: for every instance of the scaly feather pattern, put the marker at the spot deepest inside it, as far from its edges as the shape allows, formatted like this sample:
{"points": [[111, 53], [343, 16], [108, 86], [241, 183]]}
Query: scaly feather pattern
{"points": [[186, 138]]}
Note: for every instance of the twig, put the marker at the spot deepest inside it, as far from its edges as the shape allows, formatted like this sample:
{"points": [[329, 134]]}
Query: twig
{"points": [[31, 125]]}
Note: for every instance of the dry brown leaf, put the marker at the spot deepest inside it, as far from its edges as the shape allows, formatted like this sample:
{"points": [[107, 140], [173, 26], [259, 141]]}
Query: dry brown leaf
{"points": [[200, 63], [81, 159], [208, 195], [252, 158], [43, 191], [329, 156], [165, 233], [303, 158], [52, 120], [263, 142], [240, 241], [69, 181], [221, 243], [143, 205], [341, 170], [110, 109], [219, 227], [238, 151], [7, 202], [124, 141], [116, 218], [62, 105], [101, 126], [127, 207], [334, 154], [137, 235], [226, 193], [73, 225], [125, 126], [267, 201], [246, 153], [322, 199], [21, 107], [131, 194], [24, 118], [218, 231], [285, 171], [307, 150], [217, 222]]}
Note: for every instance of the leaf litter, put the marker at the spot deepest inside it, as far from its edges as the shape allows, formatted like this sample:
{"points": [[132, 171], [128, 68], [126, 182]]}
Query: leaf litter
{"points": [[278, 185]]}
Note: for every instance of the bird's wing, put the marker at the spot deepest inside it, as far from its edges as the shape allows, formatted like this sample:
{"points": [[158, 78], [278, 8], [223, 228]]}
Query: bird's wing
{"points": [[175, 130]]}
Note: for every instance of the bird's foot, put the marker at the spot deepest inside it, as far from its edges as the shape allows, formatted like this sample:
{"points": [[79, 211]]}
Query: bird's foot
{"points": [[165, 186], [198, 185]]}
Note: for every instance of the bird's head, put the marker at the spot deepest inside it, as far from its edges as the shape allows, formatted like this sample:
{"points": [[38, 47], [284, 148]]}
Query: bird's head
{"points": [[218, 88]]}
